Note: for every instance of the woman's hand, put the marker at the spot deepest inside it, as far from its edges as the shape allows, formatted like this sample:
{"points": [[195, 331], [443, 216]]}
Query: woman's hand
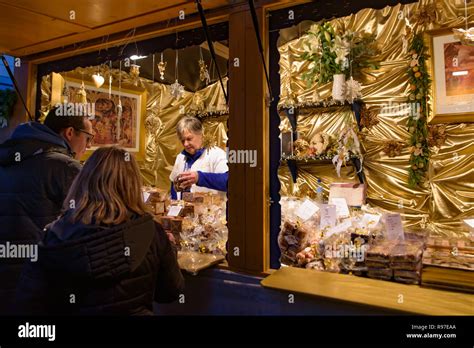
{"points": [[188, 179]]}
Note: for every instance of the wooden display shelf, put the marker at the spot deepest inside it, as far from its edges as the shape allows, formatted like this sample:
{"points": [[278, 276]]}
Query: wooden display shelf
{"points": [[294, 163], [371, 292]]}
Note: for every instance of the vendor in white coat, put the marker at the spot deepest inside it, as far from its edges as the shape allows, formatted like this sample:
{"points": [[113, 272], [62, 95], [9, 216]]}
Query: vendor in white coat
{"points": [[198, 169]]}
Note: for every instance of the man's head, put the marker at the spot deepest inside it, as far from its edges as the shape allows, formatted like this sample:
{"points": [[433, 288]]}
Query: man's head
{"points": [[76, 130], [189, 131]]}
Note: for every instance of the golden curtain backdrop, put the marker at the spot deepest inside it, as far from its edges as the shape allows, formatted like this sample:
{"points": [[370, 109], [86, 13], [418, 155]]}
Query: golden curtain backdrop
{"points": [[163, 112], [448, 194]]}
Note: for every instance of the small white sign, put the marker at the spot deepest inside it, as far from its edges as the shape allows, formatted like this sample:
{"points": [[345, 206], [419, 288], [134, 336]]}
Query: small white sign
{"points": [[370, 220], [342, 210], [174, 210], [328, 216], [146, 195], [394, 226], [306, 210]]}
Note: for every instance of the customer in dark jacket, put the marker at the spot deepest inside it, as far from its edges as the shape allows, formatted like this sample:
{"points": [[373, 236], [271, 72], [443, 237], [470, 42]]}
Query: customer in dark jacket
{"points": [[105, 255], [37, 166]]}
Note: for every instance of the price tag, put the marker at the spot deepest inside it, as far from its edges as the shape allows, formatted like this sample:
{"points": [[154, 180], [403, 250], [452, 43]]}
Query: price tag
{"points": [[370, 220], [306, 210], [174, 210], [394, 226], [328, 216], [342, 210]]}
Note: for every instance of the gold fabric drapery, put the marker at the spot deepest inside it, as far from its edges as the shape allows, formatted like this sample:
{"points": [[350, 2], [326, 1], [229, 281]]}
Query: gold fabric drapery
{"points": [[162, 114], [448, 194]]}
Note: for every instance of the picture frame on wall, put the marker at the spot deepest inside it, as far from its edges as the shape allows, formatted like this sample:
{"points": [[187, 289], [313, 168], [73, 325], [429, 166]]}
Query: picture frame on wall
{"points": [[127, 131], [451, 66]]}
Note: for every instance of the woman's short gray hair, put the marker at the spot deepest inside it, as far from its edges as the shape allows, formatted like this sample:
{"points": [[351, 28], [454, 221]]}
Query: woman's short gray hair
{"points": [[189, 123]]}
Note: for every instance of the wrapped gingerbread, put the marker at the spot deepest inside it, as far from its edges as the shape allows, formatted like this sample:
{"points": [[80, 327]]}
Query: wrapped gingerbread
{"points": [[292, 239]]}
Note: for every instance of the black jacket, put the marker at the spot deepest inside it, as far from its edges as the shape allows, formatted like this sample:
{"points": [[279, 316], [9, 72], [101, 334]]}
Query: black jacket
{"points": [[100, 270], [36, 171]]}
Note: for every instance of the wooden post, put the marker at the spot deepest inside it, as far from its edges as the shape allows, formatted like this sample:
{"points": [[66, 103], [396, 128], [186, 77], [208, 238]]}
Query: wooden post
{"points": [[248, 130]]}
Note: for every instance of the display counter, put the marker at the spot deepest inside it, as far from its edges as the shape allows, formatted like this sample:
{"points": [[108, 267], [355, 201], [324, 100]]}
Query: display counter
{"points": [[411, 299]]}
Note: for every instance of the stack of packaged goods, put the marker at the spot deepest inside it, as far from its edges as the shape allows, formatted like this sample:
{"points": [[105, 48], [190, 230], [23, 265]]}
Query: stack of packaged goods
{"points": [[306, 241], [378, 260], [156, 199], [449, 264], [405, 261], [197, 223], [204, 224]]}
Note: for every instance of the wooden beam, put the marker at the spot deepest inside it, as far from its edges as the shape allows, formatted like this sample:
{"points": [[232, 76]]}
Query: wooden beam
{"points": [[248, 124], [95, 39], [237, 180]]}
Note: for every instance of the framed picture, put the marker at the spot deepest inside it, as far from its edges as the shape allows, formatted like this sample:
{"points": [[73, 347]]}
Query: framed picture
{"points": [[452, 72], [127, 131]]}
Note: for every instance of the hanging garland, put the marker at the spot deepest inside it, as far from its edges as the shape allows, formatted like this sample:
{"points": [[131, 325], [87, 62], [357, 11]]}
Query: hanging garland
{"points": [[419, 80]]}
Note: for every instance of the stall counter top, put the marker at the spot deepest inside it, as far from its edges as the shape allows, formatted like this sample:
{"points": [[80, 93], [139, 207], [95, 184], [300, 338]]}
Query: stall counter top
{"points": [[411, 299]]}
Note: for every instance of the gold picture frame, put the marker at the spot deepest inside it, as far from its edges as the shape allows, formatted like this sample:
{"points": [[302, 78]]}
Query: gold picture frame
{"points": [[451, 67], [127, 131]]}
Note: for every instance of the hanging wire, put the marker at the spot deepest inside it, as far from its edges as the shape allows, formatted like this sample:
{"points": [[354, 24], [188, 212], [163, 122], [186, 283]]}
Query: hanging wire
{"points": [[176, 66], [176, 63], [110, 79], [131, 33], [120, 77], [153, 69]]}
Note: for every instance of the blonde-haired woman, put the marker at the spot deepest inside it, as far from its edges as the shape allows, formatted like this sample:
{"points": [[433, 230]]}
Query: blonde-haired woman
{"points": [[105, 254]]}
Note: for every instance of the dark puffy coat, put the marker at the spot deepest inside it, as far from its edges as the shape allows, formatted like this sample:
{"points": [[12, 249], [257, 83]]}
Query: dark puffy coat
{"points": [[36, 171], [100, 270]]}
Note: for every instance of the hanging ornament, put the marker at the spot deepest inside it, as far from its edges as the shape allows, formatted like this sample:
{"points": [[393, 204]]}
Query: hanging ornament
{"points": [[176, 89], [203, 72], [162, 67], [353, 90], [197, 104], [98, 79], [134, 72], [65, 93], [82, 94], [465, 36]]}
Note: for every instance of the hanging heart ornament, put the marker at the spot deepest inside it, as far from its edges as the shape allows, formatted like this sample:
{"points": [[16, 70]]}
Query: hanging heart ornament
{"points": [[98, 80]]}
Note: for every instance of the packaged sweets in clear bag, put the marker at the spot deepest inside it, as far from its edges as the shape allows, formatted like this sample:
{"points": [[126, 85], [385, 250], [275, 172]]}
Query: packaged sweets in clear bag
{"points": [[298, 231]]}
